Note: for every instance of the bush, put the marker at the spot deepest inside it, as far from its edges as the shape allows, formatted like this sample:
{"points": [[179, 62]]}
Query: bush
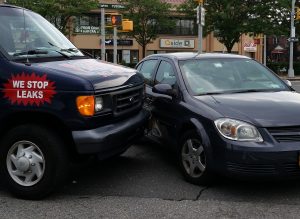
{"points": [[281, 68]]}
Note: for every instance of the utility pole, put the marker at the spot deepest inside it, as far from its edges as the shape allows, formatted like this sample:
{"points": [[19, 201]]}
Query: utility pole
{"points": [[291, 72], [265, 49], [115, 44], [103, 34]]}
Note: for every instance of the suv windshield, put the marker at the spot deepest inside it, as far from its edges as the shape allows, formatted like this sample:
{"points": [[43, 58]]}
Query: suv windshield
{"points": [[227, 75], [27, 34]]}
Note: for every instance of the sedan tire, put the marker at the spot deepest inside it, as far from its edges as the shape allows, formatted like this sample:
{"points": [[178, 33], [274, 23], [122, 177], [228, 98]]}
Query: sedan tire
{"points": [[194, 160]]}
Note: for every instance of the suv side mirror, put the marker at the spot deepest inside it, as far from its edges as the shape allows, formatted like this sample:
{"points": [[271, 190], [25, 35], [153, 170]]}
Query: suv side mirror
{"points": [[165, 89]]}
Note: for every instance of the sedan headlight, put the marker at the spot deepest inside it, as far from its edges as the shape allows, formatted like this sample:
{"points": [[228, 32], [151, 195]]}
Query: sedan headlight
{"points": [[98, 104], [237, 130]]}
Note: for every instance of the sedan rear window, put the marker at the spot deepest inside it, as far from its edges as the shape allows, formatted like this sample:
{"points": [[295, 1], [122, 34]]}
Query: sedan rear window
{"points": [[227, 75]]}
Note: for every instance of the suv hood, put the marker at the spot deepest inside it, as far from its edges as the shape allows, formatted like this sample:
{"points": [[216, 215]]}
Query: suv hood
{"points": [[99, 73], [263, 109]]}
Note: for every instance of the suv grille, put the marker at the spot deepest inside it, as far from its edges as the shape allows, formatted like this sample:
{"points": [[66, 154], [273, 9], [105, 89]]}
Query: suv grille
{"points": [[285, 134], [128, 100]]}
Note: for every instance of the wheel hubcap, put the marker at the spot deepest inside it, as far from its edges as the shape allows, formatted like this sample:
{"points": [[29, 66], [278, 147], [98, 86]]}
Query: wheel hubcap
{"points": [[25, 163], [193, 158]]}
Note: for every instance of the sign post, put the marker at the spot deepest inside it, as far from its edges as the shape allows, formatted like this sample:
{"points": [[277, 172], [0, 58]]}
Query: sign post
{"points": [[291, 72], [116, 20], [103, 34], [201, 23]]}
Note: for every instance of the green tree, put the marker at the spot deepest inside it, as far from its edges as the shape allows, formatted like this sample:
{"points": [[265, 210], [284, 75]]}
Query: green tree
{"points": [[58, 12], [149, 17], [229, 19]]}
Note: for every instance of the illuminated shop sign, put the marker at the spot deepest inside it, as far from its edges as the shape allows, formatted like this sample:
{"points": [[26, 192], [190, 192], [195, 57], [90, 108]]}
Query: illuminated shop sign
{"points": [[177, 43]]}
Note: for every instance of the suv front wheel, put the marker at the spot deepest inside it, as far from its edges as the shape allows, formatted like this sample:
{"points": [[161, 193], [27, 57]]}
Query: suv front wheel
{"points": [[33, 161]]}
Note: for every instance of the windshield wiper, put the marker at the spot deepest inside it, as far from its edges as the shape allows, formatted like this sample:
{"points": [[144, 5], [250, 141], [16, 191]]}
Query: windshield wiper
{"points": [[252, 90], [32, 52], [69, 50], [210, 93]]}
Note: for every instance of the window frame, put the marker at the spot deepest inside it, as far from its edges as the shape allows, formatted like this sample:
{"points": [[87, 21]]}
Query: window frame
{"points": [[173, 69], [149, 81]]}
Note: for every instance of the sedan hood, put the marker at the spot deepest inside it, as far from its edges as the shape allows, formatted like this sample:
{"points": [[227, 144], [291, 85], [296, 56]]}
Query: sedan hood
{"points": [[263, 109], [100, 74]]}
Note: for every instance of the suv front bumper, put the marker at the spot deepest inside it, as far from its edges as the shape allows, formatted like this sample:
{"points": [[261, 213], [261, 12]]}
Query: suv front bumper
{"points": [[111, 139]]}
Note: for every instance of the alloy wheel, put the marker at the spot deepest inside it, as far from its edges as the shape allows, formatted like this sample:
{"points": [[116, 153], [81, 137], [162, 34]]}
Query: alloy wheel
{"points": [[193, 158]]}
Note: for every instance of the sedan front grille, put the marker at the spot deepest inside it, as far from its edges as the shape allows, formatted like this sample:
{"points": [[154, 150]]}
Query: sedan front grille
{"points": [[285, 134]]}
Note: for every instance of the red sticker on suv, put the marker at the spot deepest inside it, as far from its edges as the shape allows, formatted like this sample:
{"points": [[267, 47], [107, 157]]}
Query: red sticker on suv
{"points": [[29, 89]]}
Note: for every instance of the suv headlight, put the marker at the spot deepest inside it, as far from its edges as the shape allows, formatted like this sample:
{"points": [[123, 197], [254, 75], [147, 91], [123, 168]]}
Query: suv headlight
{"points": [[89, 105], [237, 130], [98, 104]]}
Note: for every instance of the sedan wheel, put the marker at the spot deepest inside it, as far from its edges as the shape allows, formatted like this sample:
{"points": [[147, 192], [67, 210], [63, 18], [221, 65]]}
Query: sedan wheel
{"points": [[193, 158]]}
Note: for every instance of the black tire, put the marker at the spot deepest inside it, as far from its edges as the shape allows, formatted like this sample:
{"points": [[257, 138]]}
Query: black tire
{"points": [[50, 148], [201, 174]]}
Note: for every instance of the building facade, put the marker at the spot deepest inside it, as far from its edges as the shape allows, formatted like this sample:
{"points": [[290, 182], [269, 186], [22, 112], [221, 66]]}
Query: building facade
{"points": [[86, 36]]}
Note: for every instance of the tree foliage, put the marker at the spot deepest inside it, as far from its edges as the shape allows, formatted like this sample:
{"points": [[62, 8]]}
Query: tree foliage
{"points": [[58, 12], [148, 16], [229, 19]]}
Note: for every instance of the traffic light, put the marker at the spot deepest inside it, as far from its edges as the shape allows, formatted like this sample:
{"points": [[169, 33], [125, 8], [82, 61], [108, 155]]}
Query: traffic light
{"points": [[127, 25], [199, 1], [297, 14], [116, 20]]}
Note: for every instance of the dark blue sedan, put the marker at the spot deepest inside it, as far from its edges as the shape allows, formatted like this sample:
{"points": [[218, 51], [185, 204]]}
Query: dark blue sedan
{"points": [[223, 114]]}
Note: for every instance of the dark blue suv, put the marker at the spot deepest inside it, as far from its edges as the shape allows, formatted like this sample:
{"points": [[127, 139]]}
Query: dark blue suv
{"points": [[223, 114], [56, 103]]}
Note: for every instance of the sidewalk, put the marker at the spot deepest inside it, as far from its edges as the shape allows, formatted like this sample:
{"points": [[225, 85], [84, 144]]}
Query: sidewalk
{"points": [[296, 78]]}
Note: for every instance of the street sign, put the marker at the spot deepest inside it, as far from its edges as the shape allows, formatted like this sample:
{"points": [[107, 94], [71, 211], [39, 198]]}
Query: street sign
{"points": [[112, 6], [292, 39], [200, 15]]}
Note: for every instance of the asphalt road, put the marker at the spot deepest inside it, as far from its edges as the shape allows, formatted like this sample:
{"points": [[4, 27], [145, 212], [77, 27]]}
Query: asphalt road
{"points": [[296, 85], [145, 183]]}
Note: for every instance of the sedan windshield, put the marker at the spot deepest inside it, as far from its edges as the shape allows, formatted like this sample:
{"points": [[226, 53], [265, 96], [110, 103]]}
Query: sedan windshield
{"points": [[27, 34], [228, 75]]}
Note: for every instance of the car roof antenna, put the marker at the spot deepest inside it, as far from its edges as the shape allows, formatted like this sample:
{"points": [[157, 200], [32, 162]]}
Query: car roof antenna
{"points": [[25, 36]]}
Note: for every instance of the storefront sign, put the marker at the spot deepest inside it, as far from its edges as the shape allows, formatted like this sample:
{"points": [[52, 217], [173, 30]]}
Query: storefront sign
{"points": [[110, 42], [87, 29], [177, 43], [112, 6], [250, 47]]}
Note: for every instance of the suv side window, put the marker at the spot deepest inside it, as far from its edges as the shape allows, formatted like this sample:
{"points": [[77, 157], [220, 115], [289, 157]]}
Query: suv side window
{"points": [[147, 69], [165, 74]]}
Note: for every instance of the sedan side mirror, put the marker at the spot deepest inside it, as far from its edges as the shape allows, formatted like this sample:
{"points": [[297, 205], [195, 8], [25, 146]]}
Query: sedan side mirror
{"points": [[288, 83], [165, 89]]}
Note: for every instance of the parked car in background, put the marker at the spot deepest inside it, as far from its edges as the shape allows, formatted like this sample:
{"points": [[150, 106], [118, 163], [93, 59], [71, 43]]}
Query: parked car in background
{"points": [[223, 114], [56, 104]]}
